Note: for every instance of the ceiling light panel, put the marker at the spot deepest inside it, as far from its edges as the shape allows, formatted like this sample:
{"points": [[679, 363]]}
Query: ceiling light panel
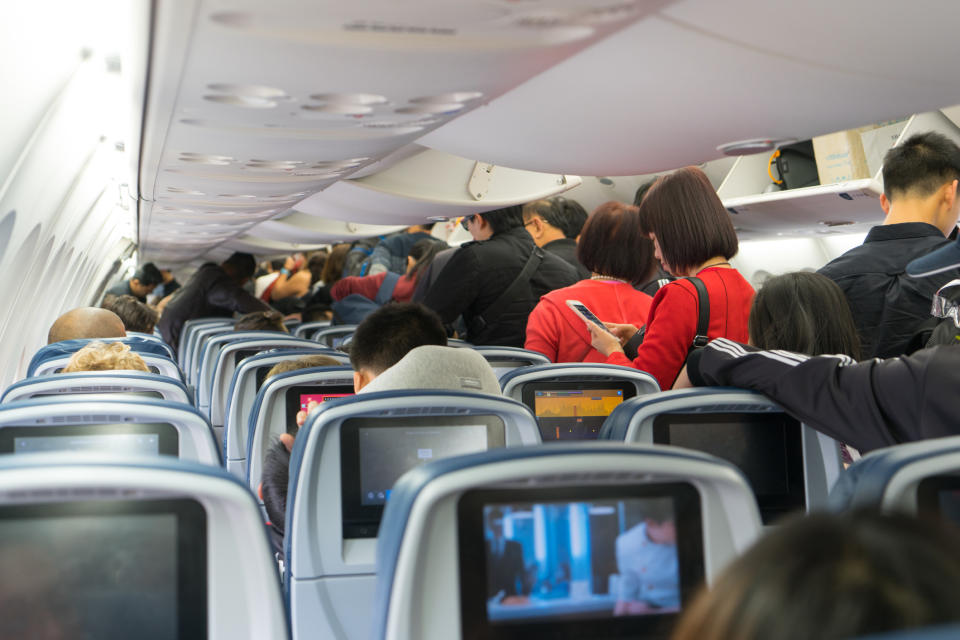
{"points": [[272, 98]]}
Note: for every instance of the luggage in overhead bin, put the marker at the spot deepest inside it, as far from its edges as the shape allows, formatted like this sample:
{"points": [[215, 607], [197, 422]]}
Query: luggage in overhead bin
{"points": [[796, 166]]}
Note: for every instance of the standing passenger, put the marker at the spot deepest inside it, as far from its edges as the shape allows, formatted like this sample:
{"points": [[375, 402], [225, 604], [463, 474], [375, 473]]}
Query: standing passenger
{"points": [[615, 249], [692, 236], [920, 202], [546, 222]]}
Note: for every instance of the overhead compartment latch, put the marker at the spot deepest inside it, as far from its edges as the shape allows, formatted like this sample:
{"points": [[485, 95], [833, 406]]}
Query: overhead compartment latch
{"points": [[479, 182]]}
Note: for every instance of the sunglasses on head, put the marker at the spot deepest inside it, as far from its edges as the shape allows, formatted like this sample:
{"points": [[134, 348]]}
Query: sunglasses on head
{"points": [[465, 222]]}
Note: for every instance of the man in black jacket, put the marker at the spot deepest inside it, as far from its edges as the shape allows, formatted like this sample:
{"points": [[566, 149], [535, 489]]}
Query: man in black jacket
{"points": [[921, 205], [214, 290], [481, 280], [553, 227]]}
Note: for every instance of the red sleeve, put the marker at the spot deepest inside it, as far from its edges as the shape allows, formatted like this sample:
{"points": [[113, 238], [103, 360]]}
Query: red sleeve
{"points": [[367, 286], [670, 329], [543, 331]]}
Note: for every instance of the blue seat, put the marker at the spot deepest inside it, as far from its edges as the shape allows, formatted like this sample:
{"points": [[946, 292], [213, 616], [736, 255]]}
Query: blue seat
{"points": [[506, 359], [194, 347], [911, 477], [53, 357], [246, 382], [940, 632], [190, 327], [342, 467], [334, 336], [219, 358], [107, 423], [790, 465], [274, 412], [110, 382], [307, 329], [586, 392], [155, 339], [578, 518], [114, 548]]}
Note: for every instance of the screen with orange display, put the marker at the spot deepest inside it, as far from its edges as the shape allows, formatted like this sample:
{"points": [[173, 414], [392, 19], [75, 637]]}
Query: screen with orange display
{"points": [[574, 414]]}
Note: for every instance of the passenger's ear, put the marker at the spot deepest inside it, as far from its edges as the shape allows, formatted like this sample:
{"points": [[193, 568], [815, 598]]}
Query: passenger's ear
{"points": [[361, 379], [885, 204], [950, 194]]}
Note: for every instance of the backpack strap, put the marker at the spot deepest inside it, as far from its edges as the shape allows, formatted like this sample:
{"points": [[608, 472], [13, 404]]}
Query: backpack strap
{"points": [[497, 307], [703, 320], [385, 292]]}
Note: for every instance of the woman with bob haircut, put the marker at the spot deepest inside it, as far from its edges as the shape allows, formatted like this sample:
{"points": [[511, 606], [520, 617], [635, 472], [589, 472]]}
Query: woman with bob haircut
{"points": [[692, 236], [832, 576], [615, 249]]}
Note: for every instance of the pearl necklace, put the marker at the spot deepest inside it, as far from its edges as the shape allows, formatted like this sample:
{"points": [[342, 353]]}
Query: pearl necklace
{"points": [[608, 278]]}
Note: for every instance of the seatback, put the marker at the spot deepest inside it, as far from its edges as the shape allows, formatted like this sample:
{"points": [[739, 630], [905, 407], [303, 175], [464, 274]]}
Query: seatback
{"points": [[107, 423], [330, 540], [274, 412], [789, 465], [158, 340], [913, 477], [572, 400], [235, 352], [136, 383], [94, 546], [188, 330], [548, 541], [307, 329], [199, 338], [53, 357], [506, 359], [246, 382], [206, 365], [334, 337]]}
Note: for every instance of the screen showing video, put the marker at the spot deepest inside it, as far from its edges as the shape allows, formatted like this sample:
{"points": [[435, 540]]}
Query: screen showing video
{"points": [[319, 398], [574, 414], [589, 567], [132, 438], [767, 447], [107, 570], [298, 398], [147, 444]]}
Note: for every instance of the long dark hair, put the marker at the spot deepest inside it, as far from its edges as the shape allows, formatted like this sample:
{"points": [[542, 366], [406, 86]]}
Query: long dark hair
{"points": [[803, 312]]}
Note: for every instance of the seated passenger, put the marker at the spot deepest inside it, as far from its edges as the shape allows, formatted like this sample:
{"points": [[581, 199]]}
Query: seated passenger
{"points": [[86, 322], [331, 274], [832, 576], [484, 281], [292, 288], [99, 356], [136, 316], [143, 282], [546, 222], [421, 255], [437, 367], [263, 283], [390, 254], [692, 236], [615, 249], [261, 321], [647, 563], [213, 291]]}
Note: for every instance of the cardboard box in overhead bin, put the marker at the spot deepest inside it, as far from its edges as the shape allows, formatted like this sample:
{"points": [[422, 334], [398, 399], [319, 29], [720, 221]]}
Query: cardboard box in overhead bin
{"points": [[876, 143], [840, 157]]}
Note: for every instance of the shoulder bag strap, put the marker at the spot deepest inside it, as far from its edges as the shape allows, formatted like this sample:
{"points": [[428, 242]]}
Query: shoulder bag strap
{"points": [[497, 307], [703, 320], [385, 292]]}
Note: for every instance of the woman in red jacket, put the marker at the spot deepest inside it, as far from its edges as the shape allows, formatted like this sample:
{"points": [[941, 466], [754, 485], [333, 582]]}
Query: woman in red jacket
{"points": [[615, 249], [692, 236]]}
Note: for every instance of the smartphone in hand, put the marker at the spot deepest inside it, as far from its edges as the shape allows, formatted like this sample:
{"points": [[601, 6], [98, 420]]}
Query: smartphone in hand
{"points": [[585, 314]]}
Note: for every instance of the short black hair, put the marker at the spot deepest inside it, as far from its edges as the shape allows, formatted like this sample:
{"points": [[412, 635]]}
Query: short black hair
{"points": [[261, 321], [136, 316], [240, 265], [273, 484], [548, 210], [504, 219], [148, 274], [392, 331], [277, 264], [642, 191], [573, 217], [921, 165]]}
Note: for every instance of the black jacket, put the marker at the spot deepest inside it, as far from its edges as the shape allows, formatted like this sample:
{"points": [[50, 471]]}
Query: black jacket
{"points": [[868, 405], [888, 305], [210, 292], [476, 275], [567, 249]]}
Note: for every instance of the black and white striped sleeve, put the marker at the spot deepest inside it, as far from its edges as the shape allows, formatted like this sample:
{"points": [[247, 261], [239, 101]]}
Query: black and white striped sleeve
{"points": [[867, 405]]}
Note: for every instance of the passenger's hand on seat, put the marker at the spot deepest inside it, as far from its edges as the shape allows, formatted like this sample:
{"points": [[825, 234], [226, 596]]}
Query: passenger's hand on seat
{"points": [[302, 414], [604, 342]]}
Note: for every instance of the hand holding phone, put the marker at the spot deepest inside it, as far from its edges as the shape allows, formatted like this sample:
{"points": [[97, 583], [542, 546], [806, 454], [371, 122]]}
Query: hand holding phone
{"points": [[585, 314]]}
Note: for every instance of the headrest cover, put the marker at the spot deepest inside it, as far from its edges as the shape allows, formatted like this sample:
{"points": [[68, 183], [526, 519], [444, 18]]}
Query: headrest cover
{"points": [[435, 367]]}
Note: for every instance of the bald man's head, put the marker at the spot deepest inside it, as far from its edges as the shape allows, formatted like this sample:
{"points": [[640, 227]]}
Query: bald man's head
{"points": [[86, 322]]}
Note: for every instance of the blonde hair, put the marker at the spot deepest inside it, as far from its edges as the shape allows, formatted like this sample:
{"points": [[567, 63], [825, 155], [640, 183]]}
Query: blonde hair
{"points": [[98, 356], [302, 363]]}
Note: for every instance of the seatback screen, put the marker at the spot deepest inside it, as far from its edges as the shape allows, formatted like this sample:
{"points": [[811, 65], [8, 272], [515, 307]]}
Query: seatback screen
{"points": [[124, 438], [298, 398], [375, 452], [104, 569], [574, 411], [767, 447], [578, 562]]}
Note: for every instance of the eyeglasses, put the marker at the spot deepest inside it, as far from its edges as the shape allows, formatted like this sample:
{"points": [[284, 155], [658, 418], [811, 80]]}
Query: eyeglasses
{"points": [[528, 222], [465, 222]]}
